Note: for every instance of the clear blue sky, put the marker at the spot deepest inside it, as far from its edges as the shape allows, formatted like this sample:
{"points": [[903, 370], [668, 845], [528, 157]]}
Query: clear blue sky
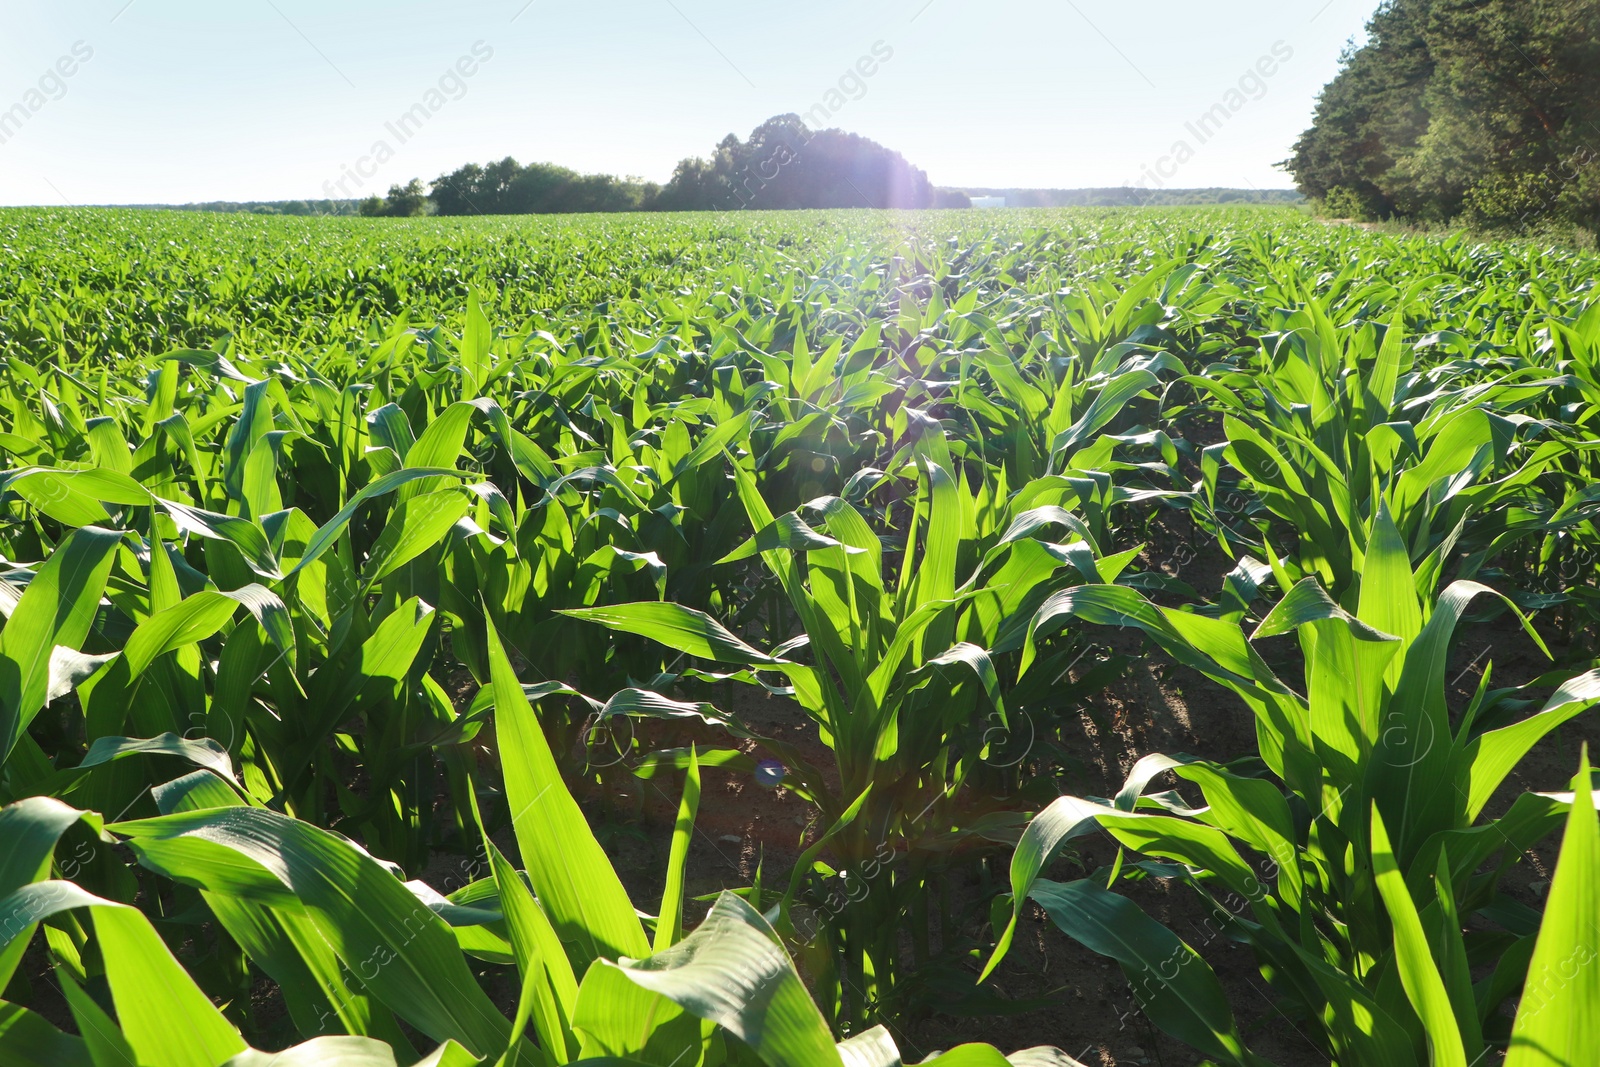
{"points": [[182, 100]]}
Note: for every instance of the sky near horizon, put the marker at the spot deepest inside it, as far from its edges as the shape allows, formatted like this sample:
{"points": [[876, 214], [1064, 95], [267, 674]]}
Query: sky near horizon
{"points": [[175, 101]]}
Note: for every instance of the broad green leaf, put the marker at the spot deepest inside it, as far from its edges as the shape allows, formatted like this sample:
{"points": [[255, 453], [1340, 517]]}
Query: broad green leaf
{"points": [[1557, 1024], [788, 531], [1064, 819], [549, 985], [418, 524], [573, 878], [731, 971], [350, 1052], [669, 922], [164, 1017], [1177, 988], [677, 627], [1495, 753], [203, 752], [57, 609], [330, 531], [1418, 972], [104, 1042], [27, 1040], [401, 951], [75, 498], [244, 534]]}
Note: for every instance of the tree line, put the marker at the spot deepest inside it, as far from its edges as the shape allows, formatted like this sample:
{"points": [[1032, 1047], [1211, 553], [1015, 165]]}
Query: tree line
{"points": [[1485, 112], [1140, 196], [782, 164]]}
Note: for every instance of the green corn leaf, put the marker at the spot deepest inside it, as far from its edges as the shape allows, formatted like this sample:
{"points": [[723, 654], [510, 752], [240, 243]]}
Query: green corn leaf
{"points": [[550, 990], [391, 429], [976, 660], [165, 1019], [1388, 590], [1418, 972], [70, 669], [936, 570], [1177, 988], [418, 524], [109, 695], [200, 616], [474, 351], [669, 922], [214, 362], [29, 831], [202, 752], [284, 942], [1494, 754], [1386, 370], [329, 532], [1307, 603], [873, 1048], [101, 1038], [1557, 1024], [57, 609], [244, 534], [989, 1056], [570, 872], [441, 443], [27, 1040], [1063, 820], [731, 971], [1107, 405], [788, 531], [350, 1052], [1254, 811], [401, 951], [712, 444], [1414, 753], [677, 627], [75, 498], [1442, 920], [618, 1018]]}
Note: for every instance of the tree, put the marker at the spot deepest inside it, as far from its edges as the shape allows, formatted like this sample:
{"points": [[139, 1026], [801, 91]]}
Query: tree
{"points": [[509, 188], [403, 201], [408, 200], [1482, 109], [785, 164]]}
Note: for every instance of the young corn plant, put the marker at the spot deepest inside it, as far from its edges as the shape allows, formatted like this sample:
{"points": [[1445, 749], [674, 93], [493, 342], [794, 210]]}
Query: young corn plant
{"points": [[357, 951], [1338, 422], [1351, 855], [899, 686]]}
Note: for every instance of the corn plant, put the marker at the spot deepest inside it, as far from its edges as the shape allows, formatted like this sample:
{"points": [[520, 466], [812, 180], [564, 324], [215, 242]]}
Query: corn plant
{"points": [[357, 949], [899, 685], [1364, 812]]}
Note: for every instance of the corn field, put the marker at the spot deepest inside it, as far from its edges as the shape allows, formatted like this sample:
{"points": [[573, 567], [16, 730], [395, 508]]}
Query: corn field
{"points": [[342, 555]]}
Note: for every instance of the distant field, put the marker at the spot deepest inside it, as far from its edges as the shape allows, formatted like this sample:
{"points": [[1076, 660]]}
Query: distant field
{"points": [[703, 639], [142, 282]]}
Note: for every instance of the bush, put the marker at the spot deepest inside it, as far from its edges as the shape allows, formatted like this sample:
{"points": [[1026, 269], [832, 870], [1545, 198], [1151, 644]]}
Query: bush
{"points": [[1343, 202]]}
